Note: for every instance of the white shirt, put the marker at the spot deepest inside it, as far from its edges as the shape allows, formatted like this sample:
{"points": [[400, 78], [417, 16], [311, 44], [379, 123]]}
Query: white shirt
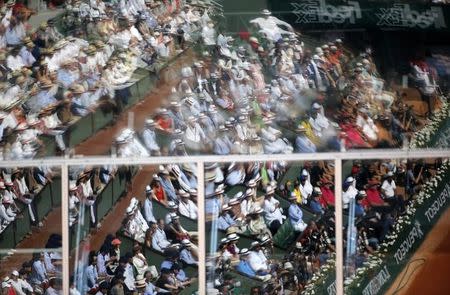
{"points": [[15, 62], [188, 209], [306, 190], [129, 277], [195, 133], [20, 285], [255, 261], [148, 211], [209, 35], [87, 189], [271, 211], [389, 188], [349, 194]]}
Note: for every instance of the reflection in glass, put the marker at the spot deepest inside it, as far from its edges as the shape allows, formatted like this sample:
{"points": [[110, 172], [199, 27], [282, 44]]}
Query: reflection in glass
{"points": [[134, 228], [386, 203], [270, 225], [30, 229]]}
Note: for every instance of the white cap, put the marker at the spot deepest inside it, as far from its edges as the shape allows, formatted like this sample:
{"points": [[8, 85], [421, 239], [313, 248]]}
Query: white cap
{"points": [[244, 251], [15, 273]]}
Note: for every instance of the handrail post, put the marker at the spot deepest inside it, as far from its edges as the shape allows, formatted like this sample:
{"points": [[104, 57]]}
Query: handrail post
{"points": [[339, 225], [201, 229], [65, 226]]}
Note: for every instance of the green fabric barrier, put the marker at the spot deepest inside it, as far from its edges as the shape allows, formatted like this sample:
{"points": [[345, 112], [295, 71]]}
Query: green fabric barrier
{"points": [[55, 191], [79, 131], [285, 235], [49, 145], [102, 119], [103, 204], [118, 188], [7, 238], [82, 228], [22, 226], [43, 201], [291, 174]]}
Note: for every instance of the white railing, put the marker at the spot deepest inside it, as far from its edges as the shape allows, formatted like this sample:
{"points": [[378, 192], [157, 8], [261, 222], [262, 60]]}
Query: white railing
{"points": [[337, 157]]}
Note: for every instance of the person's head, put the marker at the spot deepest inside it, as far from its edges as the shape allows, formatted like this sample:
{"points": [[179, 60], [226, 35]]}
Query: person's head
{"points": [[244, 254], [137, 249], [303, 179], [15, 275], [148, 276], [149, 192], [161, 223], [165, 273], [26, 266], [116, 243], [176, 220], [255, 291], [176, 268], [55, 283], [92, 258], [390, 176]]}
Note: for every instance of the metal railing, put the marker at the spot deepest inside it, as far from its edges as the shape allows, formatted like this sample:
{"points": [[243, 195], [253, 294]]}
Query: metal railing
{"points": [[337, 157]]}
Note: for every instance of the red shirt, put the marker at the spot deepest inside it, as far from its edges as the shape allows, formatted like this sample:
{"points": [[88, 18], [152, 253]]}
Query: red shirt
{"points": [[159, 193], [165, 123], [374, 198], [327, 196]]}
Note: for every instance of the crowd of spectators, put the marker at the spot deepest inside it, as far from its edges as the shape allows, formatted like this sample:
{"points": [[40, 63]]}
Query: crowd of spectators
{"points": [[85, 184], [379, 191], [171, 195], [21, 186], [50, 79], [39, 275]]}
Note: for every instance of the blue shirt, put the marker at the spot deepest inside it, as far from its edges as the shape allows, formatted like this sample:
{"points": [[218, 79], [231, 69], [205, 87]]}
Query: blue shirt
{"points": [[222, 146], [295, 213], [169, 189], [150, 289], [149, 137], [212, 206], [315, 207], [41, 100], [66, 78], [166, 264], [225, 221], [12, 37], [38, 273], [181, 276], [304, 145], [244, 267], [359, 210]]}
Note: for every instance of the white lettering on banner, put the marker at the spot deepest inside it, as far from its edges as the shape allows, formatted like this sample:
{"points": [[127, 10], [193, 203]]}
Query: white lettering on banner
{"points": [[318, 11], [374, 286], [438, 203], [332, 289], [401, 15], [414, 235]]}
